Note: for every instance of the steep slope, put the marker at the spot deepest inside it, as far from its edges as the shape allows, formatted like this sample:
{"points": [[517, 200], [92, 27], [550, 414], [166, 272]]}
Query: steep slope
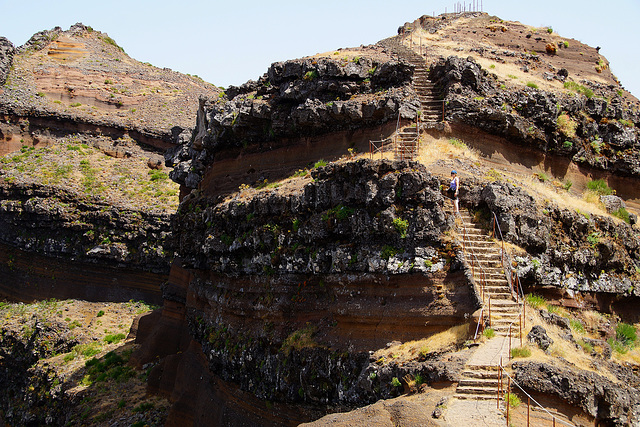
{"points": [[85, 192]]}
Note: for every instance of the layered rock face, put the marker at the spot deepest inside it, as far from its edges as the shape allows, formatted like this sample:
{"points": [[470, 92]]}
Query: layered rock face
{"points": [[44, 228], [567, 250], [598, 130], [609, 403], [288, 291], [6, 58], [33, 394], [297, 99]]}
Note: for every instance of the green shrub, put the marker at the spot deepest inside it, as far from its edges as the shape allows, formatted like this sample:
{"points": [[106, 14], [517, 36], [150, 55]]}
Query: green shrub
{"points": [[320, 163], [114, 338], [111, 366], [520, 352], [586, 347], [577, 326], [578, 88], [143, 407], [388, 252], [567, 144], [396, 382], [457, 143], [617, 346], [489, 333], [401, 226], [626, 334], [512, 400], [310, 75], [532, 85], [88, 350], [157, 175], [600, 187], [542, 177], [535, 301], [100, 313], [623, 214]]}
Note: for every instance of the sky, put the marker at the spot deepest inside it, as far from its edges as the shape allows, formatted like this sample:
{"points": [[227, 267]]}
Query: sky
{"points": [[229, 42]]}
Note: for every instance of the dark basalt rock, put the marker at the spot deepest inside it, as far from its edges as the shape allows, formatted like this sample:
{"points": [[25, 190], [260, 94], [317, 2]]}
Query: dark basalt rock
{"points": [[294, 99], [538, 335], [7, 50], [58, 223], [566, 249], [346, 205], [529, 116], [610, 403]]}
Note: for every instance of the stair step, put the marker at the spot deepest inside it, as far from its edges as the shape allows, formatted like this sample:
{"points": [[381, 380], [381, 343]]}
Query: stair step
{"points": [[478, 382], [480, 373], [477, 390], [474, 396]]}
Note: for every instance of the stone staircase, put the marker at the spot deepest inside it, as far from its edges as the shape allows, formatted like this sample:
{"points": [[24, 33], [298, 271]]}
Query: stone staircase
{"points": [[430, 105], [407, 143], [479, 380], [485, 256]]}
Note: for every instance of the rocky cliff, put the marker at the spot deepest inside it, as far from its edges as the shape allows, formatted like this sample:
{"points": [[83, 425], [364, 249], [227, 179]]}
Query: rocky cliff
{"points": [[592, 125], [567, 252], [347, 92], [290, 289]]}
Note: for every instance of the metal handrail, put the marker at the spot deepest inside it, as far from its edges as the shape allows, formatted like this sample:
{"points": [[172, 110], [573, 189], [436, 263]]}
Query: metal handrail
{"points": [[529, 397], [519, 295], [473, 262], [373, 148]]}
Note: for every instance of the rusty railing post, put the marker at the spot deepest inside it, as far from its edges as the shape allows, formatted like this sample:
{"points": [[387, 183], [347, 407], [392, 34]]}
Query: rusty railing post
{"points": [[507, 399]]}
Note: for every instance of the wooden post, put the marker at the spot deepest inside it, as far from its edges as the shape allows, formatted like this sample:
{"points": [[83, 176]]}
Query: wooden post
{"points": [[489, 310], [528, 409], [499, 385]]}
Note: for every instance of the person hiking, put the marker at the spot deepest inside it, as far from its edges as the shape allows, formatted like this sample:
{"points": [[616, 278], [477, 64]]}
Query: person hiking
{"points": [[454, 187]]}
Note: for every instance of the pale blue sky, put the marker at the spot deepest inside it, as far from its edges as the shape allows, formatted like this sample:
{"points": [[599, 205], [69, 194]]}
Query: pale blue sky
{"points": [[229, 42]]}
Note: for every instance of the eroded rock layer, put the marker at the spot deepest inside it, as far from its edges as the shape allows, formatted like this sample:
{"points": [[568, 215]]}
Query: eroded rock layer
{"points": [[285, 293]]}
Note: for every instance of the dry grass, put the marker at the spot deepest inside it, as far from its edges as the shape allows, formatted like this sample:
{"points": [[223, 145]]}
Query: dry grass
{"points": [[562, 348], [548, 191], [434, 149], [440, 341]]}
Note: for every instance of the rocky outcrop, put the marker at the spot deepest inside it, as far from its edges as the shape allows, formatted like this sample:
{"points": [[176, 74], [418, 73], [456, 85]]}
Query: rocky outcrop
{"points": [[33, 394], [596, 131], [609, 403], [59, 223], [296, 99], [288, 292], [6, 58], [339, 223]]}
